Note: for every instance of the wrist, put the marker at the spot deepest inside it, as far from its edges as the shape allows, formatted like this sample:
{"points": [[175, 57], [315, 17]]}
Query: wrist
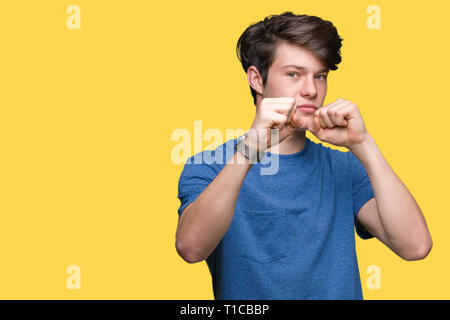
{"points": [[248, 148], [257, 139], [252, 144], [363, 147]]}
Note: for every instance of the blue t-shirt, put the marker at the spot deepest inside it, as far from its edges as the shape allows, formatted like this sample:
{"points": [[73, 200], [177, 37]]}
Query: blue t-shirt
{"points": [[293, 231]]}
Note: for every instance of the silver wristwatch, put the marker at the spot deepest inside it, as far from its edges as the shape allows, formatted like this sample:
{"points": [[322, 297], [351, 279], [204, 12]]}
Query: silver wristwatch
{"points": [[252, 154]]}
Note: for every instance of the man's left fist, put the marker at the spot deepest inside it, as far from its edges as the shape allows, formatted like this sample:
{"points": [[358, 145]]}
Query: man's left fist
{"points": [[339, 123]]}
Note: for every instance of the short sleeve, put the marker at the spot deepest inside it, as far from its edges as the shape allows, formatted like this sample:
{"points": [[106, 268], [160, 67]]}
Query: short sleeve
{"points": [[194, 178], [362, 192]]}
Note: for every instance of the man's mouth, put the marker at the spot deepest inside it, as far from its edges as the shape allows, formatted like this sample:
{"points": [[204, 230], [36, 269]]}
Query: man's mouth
{"points": [[307, 108]]}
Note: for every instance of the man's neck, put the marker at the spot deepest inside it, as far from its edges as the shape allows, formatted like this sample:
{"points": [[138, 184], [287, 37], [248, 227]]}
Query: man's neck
{"points": [[292, 144]]}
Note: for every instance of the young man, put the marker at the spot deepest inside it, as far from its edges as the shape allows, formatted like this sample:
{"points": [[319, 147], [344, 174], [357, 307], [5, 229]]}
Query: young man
{"points": [[290, 235]]}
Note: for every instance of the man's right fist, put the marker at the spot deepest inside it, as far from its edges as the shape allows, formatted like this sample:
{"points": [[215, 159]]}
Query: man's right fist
{"points": [[276, 114]]}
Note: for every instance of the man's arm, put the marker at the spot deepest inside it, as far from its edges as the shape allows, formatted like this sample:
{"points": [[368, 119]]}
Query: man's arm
{"points": [[393, 216], [205, 221]]}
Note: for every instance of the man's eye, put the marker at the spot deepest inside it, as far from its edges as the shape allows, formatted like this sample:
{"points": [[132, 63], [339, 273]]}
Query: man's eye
{"points": [[319, 76]]}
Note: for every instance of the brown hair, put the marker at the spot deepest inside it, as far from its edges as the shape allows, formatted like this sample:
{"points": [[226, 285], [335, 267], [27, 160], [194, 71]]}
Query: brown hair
{"points": [[256, 46]]}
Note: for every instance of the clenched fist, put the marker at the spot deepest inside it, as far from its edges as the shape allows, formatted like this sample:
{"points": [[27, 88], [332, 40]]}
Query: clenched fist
{"points": [[273, 113], [339, 123]]}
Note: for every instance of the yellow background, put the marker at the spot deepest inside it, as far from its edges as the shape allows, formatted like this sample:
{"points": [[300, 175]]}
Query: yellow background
{"points": [[86, 176]]}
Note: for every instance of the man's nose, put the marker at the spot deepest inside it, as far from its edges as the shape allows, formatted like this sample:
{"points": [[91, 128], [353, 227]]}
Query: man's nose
{"points": [[308, 87]]}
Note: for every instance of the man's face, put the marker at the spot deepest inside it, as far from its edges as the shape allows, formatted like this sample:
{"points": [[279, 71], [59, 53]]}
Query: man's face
{"points": [[306, 84]]}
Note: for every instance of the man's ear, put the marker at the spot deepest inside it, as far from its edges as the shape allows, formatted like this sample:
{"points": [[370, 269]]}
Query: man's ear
{"points": [[255, 79]]}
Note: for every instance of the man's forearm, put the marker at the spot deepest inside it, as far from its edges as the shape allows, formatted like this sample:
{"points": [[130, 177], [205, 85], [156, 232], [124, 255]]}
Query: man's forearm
{"points": [[204, 223], [400, 216]]}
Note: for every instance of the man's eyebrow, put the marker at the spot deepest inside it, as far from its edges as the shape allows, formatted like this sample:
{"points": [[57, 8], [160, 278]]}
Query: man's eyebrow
{"points": [[304, 68]]}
